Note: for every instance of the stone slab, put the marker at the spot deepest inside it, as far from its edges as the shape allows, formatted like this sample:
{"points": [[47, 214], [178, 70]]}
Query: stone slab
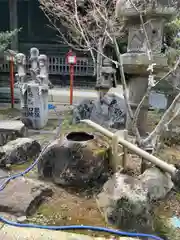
{"points": [[16, 233], [22, 196], [138, 63], [9, 125], [10, 130]]}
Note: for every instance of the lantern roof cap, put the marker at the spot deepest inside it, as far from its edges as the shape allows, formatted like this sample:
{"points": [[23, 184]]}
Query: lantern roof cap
{"points": [[133, 8]]}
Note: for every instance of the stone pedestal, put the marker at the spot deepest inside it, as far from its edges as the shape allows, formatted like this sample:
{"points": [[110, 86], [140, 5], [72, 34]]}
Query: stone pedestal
{"points": [[138, 84], [136, 65]]}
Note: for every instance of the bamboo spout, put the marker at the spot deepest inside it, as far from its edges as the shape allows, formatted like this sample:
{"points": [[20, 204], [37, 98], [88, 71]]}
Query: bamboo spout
{"points": [[159, 163]]}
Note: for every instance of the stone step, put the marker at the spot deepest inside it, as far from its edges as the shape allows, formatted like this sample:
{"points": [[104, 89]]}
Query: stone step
{"points": [[22, 196], [10, 130]]}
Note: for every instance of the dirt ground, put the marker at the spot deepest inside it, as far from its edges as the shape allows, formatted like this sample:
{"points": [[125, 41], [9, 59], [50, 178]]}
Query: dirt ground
{"points": [[68, 207]]}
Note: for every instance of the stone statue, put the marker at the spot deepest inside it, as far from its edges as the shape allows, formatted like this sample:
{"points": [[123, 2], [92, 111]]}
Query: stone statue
{"points": [[34, 93], [34, 70], [20, 60], [43, 67]]}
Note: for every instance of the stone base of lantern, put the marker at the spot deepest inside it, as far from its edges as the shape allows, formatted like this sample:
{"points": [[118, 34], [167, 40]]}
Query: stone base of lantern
{"points": [[137, 63], [137, 89]]}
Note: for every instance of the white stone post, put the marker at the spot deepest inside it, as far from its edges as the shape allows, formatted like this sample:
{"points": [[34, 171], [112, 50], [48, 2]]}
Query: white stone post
{"points": [[34, 70]]}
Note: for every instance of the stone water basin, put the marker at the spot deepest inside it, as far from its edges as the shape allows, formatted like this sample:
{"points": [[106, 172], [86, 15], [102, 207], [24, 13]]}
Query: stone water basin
{"points": [[77, 159]]}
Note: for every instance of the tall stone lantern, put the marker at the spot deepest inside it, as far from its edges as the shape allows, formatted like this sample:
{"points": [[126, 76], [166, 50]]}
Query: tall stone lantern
{"points": [[138, 58]]}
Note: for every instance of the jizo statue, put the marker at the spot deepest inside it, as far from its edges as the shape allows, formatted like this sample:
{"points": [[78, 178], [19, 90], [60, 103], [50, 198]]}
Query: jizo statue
{"points": [[43, 69], [34, 91], [20, 60], [38, 69], [34, 70]]}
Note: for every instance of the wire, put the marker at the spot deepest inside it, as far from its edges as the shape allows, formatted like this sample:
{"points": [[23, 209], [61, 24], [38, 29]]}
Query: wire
{"points": [[71, 227]]}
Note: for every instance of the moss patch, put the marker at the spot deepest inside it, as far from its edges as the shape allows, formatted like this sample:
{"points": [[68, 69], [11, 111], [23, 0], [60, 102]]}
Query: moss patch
{"points": [[21, 167], [9, 113], [65, 208], [164, 229]]}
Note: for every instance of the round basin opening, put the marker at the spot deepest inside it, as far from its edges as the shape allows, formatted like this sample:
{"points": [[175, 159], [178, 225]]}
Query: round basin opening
{"points": [[79, 136]]}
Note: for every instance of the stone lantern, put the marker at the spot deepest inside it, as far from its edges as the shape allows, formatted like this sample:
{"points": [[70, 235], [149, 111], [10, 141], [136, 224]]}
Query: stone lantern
{"points": [[142, 53]]}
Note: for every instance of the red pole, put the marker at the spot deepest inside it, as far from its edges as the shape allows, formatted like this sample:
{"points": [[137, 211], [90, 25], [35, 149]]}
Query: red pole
{"points": [[12, 81], [71, 82]]}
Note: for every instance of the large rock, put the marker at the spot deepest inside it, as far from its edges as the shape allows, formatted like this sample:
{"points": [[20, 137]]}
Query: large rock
{"points": [[22, 196], [19, 150], [110, 112], [156, 182], [125, 204], [126, 201], [77, 159]]}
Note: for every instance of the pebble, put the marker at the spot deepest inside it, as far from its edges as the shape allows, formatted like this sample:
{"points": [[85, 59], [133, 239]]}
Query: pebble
{"points": [[21, 219]]}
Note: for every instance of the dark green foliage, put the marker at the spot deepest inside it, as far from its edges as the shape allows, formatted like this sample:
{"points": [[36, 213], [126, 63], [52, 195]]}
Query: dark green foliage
{"points": [[5, 39]]}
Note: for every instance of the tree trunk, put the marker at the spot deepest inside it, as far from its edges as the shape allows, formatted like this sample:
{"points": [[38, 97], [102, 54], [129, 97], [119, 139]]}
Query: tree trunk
{"points": [[13, 22], [170, 98], [99, 62]]}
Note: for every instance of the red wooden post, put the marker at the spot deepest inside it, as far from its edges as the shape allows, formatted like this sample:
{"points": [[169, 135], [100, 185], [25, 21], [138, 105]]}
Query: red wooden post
{"points": [[71, 60], [71, 82], [12, 80]]}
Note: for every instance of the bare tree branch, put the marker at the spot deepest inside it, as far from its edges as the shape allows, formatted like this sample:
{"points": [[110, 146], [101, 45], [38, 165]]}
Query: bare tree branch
{"points": [[172, 118], [91, 26], [162, 123], [150, 88]]}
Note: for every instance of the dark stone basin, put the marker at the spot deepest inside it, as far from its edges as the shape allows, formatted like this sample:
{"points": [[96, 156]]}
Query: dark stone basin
{"points": [[75, 160]]}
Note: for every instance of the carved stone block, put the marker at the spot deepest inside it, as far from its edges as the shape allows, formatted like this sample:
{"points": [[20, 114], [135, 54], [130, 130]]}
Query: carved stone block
{"points": [[137, 41]]}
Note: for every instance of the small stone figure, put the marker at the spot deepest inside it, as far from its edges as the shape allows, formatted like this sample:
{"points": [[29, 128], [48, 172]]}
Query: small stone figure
{"points": [[34, 70], [43, 67], [20, 59]]}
